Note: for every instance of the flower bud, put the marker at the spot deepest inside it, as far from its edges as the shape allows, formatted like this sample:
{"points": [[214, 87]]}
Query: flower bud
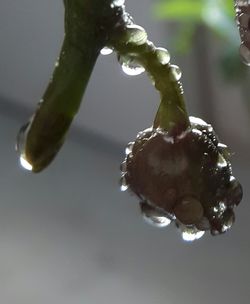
{"points": [[187, 176]]}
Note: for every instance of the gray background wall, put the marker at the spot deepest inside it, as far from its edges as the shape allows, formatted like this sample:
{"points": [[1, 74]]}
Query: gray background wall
{"points": [[68, 235]]}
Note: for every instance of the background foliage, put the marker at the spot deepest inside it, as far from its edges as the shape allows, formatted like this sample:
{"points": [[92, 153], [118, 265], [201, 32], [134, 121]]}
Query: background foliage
{"points": [[218, 17]]}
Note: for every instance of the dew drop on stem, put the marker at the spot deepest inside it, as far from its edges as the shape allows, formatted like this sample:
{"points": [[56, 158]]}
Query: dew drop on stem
{"points": [[106, 51], [175, 72], [162, 55], [130, 66]]}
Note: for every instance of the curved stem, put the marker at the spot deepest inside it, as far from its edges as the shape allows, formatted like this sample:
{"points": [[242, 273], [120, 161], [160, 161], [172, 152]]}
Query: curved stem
{"points": [[87, 27], [172, 115]]}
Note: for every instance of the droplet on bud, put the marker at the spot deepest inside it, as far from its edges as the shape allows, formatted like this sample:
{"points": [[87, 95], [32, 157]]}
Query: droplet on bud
{"points": [[221, 161], [175, 72], [123, 183], [129, 148], [191, 234], [234, 192], [224, 150], [154, 216]]}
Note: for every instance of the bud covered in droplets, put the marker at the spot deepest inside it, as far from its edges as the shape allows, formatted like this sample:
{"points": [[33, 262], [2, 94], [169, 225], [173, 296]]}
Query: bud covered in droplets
{"points": [[242, 8], [185, 178]]}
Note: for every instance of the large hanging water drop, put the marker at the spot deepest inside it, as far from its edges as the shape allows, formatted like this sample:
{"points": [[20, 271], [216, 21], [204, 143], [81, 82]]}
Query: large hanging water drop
{"points": [[130, 66]]}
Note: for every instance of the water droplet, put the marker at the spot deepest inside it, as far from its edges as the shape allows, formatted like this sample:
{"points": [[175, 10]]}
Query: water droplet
{"points": [[175, 72], [154, 216], [57, 64], [197, 121], [234, 192], [21, 138], [162, 55], [129, 148], [123, 183], [106, 51], [228, 220], [25, 164], [136, 34], [221, 163], [118, 2], [224, 150], [123, 167], [130, 66], [219, 209], [190, 234], [20, 145], [245, 54]]}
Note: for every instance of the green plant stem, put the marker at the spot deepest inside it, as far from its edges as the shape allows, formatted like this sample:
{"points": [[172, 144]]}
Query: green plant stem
{"points": [[87, 26], [171, 115]]}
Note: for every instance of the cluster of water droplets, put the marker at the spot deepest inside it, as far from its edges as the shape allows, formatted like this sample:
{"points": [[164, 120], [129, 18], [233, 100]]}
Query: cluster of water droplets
{"points": [[242, 8]]}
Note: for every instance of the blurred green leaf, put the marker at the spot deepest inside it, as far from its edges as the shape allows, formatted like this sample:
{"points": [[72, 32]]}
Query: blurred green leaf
{"points": [[180, 10], [218, 17]]}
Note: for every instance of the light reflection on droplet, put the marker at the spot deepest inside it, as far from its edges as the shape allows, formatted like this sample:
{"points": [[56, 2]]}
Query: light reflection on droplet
{"points": [[136, 34], [123, 184], [221, 162], [106, 51], [190, 236], [158, 221], [129, 148], [175, 72], [154, 216], [25, 164], [118, 2], [162, 55], [132, 70]]}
